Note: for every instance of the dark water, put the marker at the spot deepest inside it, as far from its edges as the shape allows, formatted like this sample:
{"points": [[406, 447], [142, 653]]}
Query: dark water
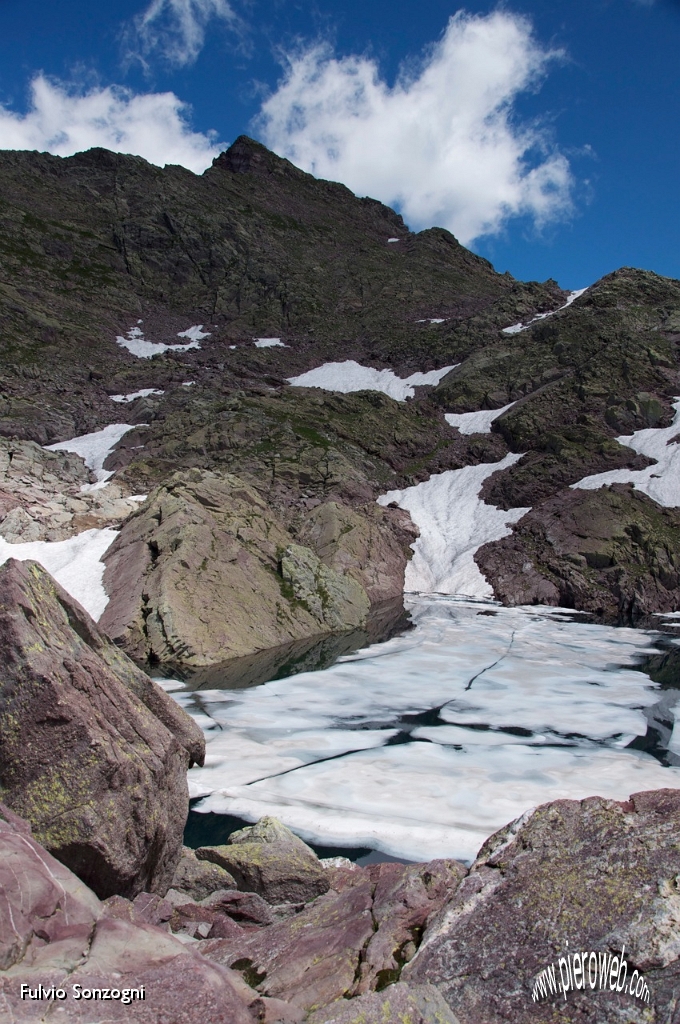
{"points": [[215, 829], [311, 655]]}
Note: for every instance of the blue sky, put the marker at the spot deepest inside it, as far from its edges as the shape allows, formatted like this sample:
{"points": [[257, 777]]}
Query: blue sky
{"points": [[544, 134]]}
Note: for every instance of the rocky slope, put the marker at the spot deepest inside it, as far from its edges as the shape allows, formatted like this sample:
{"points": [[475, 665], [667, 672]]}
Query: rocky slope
{"points": [[101, 252], [292, 939]]}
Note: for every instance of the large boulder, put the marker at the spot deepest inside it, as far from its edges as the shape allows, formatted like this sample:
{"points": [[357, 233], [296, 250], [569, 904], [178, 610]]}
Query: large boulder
{"points": [[92, 753], [270, 860], [590, 876], [55, 932], [206, 571]]}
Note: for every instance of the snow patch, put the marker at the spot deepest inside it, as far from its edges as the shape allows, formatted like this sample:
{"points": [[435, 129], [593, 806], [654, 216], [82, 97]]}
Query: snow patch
{"points": [[350, 376], [661, 482], [453, 524], [188, 383], [393, 239], [194, 333], [269, 343], [135, 343], [475, 422], [431, 320], [75, 564], [516, 328], [94, 449], [144, 393]]}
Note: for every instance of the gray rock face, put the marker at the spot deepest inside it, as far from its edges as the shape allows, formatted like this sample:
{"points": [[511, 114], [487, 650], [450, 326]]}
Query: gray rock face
{"points": [[92, 753], [206, 571], [41, 499], [337, 601], [199, 878], [54, 931], [592, 875], [270, 860]]}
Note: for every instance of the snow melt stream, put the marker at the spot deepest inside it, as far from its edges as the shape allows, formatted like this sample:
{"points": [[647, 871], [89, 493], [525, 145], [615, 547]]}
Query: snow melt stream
{"points": [[516, 328]]}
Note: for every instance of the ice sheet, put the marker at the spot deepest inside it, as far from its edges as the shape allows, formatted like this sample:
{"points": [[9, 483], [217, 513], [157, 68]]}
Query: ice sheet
{"points": [[453, 524], [95, 448], [660, 481], [516, 328], [144, 393], [423, 746], [349, 376], [475, 422], [135, 343], [75, 564], [269, 343]]}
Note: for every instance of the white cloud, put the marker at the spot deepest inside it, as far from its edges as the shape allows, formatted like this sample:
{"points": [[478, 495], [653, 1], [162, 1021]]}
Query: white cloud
{"points": [[176, 28], [443, 143], [63, 122]]}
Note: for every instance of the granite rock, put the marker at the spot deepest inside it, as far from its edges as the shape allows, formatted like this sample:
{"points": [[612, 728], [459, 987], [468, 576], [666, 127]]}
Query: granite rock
{"points": [[206, 571]]}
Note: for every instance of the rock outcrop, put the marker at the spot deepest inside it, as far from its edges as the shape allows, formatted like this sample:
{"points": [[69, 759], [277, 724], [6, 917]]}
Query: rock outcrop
{"points": [[207, 571], [55, 932], [41, 496], [92, 753], [612, 552], [592, 875], [270, 860]]}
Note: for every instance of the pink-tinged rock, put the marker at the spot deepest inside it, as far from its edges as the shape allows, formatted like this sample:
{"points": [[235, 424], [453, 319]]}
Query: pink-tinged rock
{"points": [[244, 907], [310, 959], [593, 875], [55, 932], [405, 896], [92, 752], [398, 1004], [42, 904]]}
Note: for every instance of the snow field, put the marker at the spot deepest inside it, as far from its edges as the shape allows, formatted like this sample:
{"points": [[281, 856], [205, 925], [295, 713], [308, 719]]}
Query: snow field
{"points": [[475, 422], [661, 481], [144, 393], [348, 376], [453, 524], [135, 342], [268, 343], [94, 449], [75, 564]]}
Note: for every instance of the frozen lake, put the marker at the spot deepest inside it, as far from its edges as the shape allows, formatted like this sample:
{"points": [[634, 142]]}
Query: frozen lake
{"points": [[424, 745]]}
